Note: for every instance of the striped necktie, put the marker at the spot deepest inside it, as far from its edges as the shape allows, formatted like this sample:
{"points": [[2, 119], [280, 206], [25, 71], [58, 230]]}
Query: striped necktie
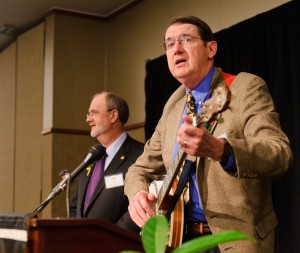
{"points": [[94, 180], [190, 101]]}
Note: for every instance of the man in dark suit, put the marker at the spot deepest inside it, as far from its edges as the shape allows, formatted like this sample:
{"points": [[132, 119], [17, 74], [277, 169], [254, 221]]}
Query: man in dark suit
{"points": [[107, 116]]}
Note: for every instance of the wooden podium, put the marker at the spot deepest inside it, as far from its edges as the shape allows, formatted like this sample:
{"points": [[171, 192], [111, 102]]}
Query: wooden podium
{"points": [[79, 236]]}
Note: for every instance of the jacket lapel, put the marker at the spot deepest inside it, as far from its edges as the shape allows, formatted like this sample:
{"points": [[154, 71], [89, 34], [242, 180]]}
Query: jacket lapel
{"points": [[112, 168], [172, 129], [83, 183]]}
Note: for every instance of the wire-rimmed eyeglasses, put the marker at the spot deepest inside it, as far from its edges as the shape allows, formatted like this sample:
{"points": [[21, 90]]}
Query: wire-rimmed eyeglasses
{"points": [[186, 40], [94, 113]]}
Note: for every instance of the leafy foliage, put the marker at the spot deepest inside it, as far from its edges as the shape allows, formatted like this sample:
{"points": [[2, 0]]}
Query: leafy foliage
{"points": [[155, 236]]}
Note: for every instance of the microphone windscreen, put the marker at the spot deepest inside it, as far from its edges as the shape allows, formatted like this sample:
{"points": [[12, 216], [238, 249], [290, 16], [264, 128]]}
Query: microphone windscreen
{"points": [[96, 152]]}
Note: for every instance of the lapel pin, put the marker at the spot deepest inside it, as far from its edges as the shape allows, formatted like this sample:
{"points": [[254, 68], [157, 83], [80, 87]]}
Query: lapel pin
{"points": [[122, 157], [88, 170]]}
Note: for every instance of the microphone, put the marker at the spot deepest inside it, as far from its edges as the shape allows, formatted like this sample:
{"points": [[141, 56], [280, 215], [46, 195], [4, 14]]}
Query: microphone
{"points": [[96, 152]]}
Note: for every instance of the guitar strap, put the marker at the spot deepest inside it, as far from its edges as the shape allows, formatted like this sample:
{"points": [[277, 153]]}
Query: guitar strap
{"points": [[181, 184], [222, 77]]}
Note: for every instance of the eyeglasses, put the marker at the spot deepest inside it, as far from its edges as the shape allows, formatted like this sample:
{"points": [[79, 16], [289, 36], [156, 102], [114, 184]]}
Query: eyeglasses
{"points": [[94, 113], [185, 40]]}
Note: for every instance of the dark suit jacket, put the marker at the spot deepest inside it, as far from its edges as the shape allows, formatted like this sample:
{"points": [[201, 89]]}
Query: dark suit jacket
{"points": [[109, 204]]}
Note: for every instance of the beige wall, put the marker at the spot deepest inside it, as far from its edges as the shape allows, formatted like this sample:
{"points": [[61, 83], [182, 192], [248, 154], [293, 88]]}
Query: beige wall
{"points": [[75, 53], [29, 111], [7, 126], [49, 74]]}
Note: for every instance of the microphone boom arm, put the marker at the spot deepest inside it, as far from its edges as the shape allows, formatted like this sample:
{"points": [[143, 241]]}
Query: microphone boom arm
{"points": [[95, 153]]}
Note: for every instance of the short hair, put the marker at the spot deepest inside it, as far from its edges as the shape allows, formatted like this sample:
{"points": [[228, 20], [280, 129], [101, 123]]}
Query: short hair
{"points": [[204, 30], [115, 102]]}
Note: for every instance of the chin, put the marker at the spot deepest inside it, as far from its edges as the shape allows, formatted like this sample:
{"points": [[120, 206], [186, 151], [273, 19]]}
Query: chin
{"points": [[180, 75], [94, 134]]}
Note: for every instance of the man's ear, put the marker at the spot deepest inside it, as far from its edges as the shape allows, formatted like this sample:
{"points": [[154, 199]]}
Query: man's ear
{"points": [[114, 115], [212, 48]]}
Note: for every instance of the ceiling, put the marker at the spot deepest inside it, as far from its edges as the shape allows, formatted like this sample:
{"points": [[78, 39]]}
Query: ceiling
{"points": [[17, 16]]}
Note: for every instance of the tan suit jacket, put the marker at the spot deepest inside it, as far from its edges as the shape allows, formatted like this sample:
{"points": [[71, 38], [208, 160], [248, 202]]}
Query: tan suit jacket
{"points": [[239, 201]]}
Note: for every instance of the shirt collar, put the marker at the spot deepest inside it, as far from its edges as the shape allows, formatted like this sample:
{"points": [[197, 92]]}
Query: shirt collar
{"points": [[200, 93], [114, 147]]}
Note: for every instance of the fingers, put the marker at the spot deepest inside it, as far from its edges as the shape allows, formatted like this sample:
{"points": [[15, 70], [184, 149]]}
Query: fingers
{"points": [[191, 139], [151, 210], [187, 119], [188, 137], [140, 207]]}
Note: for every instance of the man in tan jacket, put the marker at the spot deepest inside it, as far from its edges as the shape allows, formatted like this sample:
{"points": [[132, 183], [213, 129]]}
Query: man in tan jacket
{"points": [[237, 155]]}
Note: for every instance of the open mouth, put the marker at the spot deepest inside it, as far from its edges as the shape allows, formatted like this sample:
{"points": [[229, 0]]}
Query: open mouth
{"points": [[179, 61]]}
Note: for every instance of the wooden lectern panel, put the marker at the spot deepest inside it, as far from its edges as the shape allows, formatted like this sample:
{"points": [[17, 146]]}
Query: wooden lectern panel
{"points": [[79, 236]]}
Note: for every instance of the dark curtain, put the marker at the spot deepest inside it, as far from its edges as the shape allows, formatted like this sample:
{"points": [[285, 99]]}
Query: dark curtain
{"points": [[159, 85], [267, 45]]}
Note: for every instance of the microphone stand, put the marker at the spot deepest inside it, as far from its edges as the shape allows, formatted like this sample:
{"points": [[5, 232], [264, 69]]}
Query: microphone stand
{"points": [[55, 191], [95, 153], [68, 175]]}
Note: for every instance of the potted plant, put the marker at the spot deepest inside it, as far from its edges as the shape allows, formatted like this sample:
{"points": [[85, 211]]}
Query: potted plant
{"points": [[155, 234]]}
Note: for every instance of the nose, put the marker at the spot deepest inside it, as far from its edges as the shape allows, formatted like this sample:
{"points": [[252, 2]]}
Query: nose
{"points": [[88, 118], [178, 46]]}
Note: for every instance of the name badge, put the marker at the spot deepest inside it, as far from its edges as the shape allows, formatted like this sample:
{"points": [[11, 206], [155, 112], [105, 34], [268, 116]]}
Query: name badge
{"points": [[113, 181]]}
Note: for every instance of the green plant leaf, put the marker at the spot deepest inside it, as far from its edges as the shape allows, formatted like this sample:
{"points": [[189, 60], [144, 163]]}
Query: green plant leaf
{"points": [[210, 241], [155, 234]]}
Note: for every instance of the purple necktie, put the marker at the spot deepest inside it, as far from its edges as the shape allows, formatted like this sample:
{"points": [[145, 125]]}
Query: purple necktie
{"points": [[94, 180]]}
